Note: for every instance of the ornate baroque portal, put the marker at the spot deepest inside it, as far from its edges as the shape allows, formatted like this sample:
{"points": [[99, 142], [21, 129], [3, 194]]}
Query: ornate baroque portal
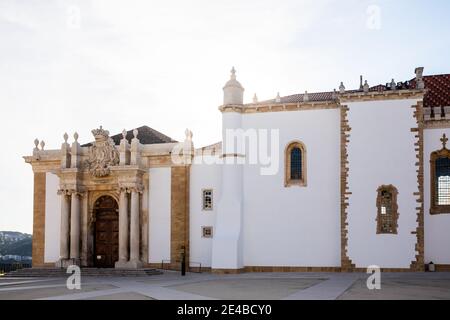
{"points": [[101, 192]]}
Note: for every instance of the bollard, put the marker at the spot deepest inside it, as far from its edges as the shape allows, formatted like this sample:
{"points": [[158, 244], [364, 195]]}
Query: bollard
{"points": [[183, 261]]}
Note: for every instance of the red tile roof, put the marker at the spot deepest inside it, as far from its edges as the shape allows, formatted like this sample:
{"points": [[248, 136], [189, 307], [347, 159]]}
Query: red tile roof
{"points": [[315, 96], [438, 94]]}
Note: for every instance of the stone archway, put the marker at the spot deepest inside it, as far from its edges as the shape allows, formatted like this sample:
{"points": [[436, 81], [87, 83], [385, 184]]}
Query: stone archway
{"points": [[106, 232]]}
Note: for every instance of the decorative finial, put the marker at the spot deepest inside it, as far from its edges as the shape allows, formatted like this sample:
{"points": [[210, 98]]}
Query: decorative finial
{"points": [[75, 135], [188, 134], [42, 144], [124, 133], [233, 73], [366, 87], [334, 94], [255, 99], [36, 143], [341, 87], [444, 140], [135, 133], [393, 85], [278, 98], [420, 84], [305, 97], [66, 137]]}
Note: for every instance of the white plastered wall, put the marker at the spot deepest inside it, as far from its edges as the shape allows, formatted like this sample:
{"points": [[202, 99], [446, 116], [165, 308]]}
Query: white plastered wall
{"points": [[204, 175], [437, 227], [159, 214], [381, 151], [52, 218], [295, 226]]}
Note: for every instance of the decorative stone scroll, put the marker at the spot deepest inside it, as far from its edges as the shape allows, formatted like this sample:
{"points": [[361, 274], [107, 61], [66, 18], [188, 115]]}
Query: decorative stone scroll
{"points": [[102, 155]]}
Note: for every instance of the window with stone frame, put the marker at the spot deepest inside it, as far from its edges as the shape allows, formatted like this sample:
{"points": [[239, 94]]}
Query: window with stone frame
{"points": [[207, 232], [295, 164], [207, 199], [440, 179], [387, 214]]}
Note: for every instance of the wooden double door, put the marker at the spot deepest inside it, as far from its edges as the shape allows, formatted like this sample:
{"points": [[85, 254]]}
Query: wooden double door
{"points": [[106, 244]]}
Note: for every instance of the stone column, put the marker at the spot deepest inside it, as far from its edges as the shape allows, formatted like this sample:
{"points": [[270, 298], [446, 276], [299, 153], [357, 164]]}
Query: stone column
{"points": [[64, 237], [134, 230], [123, 229], [75, 227]]}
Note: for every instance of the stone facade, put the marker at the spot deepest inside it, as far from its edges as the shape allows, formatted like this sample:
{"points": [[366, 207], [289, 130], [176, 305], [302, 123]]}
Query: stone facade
{"points": [[87, 173], [328, 224]]}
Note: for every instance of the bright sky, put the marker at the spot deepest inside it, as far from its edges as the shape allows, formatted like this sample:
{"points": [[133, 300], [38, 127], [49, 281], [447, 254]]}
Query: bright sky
{"points": [[69, 66]]}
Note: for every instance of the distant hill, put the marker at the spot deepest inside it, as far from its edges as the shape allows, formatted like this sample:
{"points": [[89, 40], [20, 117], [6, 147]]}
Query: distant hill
{"points": [[15, 243]]}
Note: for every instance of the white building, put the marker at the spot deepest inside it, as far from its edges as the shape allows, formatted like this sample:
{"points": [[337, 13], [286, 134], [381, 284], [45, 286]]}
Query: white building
{"points": [[330, 181]]}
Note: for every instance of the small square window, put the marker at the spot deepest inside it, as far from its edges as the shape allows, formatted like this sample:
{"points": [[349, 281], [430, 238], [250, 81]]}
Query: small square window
{"points": [[207, 199], [383, 210], [207, 232]]}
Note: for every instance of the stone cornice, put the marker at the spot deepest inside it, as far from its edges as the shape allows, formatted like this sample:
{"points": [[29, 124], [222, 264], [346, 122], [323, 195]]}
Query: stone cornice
{"points": [[437, 124], [279, 107], [382, 95], [330, 104]]}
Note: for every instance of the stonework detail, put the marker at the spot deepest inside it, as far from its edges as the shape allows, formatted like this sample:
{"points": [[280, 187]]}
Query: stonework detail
{"points": [[346, 263], [438, 155], [419, 263], [179, 231], [39, 219], [102, 155], [387, 209]]}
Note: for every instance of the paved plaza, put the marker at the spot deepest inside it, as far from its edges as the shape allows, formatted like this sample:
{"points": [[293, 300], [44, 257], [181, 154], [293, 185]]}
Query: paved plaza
{"points": [[254, 286]]}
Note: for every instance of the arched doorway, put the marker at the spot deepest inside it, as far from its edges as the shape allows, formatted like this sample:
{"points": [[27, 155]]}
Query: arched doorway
{"points": [[106, 232]]}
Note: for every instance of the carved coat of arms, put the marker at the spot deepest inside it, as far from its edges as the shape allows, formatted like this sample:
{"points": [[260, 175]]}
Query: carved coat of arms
{"points": [[102, 155]]}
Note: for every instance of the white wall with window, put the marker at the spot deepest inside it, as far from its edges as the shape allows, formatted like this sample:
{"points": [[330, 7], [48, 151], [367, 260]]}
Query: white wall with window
{"points": [[296, 225], [205, 183], [381, 152], [437, 226]]}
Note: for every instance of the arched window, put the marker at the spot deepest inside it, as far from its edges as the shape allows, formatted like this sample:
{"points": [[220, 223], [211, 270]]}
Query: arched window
{"points": [[440, 179], [295, 164], [387, 215]]}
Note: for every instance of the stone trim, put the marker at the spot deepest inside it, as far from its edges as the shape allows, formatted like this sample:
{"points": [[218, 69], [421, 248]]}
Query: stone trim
{"points": [[436, 124], [346, 263], [287, 269], [288, 181], [393, 210], [419, 263], [364, 270], [434, 207], [227, 271], [179, 216], [442, 267], [383, 95], [278, 107], [38, 244], [290, 269]]}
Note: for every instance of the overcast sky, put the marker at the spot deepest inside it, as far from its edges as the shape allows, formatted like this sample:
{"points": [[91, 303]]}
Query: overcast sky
{"points": [[70, 66]]}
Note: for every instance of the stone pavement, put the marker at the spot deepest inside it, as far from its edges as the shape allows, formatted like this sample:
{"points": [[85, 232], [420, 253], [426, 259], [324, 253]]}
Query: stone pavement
{"points": [[254, 286]]}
